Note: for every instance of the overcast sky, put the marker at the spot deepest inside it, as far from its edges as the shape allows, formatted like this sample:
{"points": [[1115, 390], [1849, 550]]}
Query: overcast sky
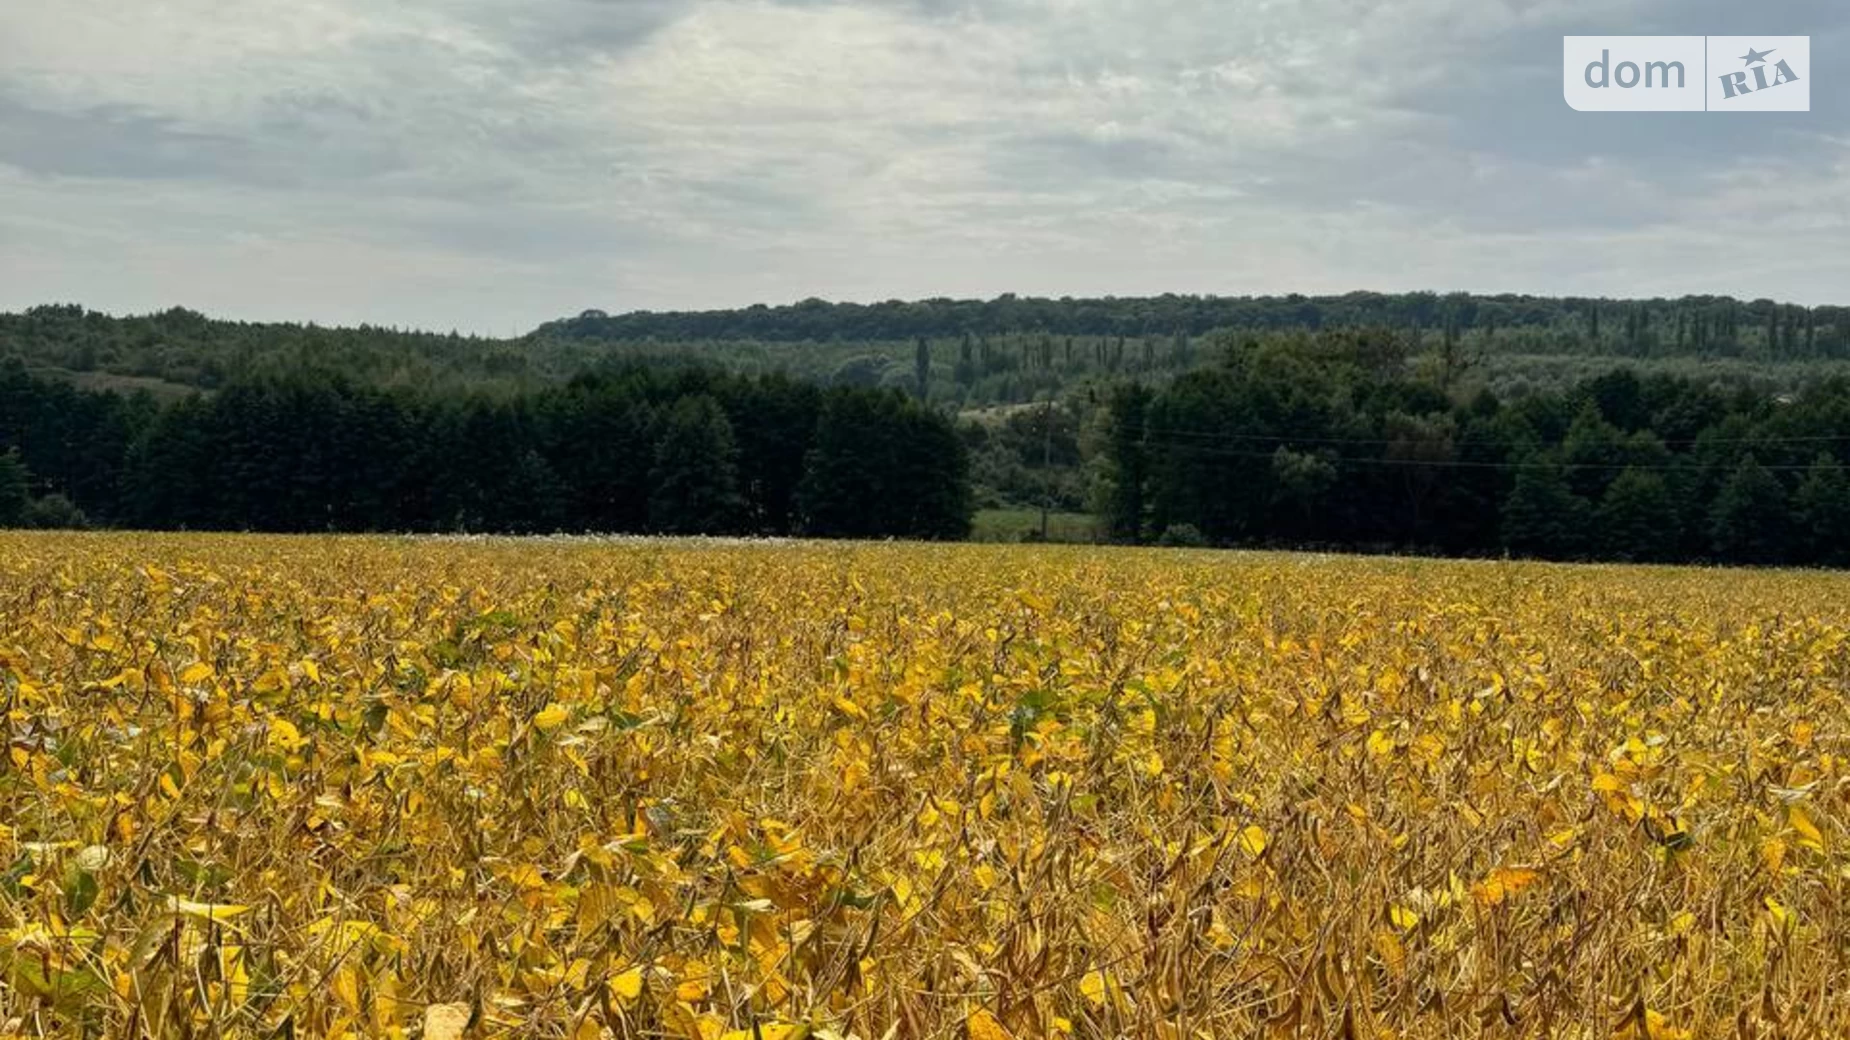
{"points": [[491, 164]]}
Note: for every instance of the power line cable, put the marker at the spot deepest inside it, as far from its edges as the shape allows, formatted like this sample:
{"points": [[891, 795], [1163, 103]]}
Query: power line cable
{"points": [[1203, 449], [1381, 441]]}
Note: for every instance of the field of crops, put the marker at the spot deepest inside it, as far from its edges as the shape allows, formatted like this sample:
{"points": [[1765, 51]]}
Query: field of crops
{"points": [[265, 787]]}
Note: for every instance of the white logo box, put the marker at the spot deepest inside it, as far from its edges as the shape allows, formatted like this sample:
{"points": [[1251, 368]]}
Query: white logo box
{"points": [[1687, 73]]}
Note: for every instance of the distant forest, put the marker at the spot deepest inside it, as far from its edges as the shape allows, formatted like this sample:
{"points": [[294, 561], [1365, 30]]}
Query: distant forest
{"points": [[967, 354], [1696, 325], [1654, 430]]}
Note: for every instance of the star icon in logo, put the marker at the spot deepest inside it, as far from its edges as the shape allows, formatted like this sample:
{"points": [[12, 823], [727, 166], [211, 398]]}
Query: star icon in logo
{"points": [[1754, 57]]}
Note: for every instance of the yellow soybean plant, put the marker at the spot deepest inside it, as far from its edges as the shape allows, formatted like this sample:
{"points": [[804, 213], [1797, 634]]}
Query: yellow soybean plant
{"points": [[332, 787]]}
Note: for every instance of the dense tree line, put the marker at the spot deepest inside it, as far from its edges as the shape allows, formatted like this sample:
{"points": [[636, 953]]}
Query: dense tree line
{"points": [[1319, 443], [964, 352], [1695, 326], [176, 350], [1325, 432], [631, 449]]}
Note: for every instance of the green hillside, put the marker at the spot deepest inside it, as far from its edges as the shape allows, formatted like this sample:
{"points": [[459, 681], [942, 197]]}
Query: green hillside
{"points": [[974, 353]]}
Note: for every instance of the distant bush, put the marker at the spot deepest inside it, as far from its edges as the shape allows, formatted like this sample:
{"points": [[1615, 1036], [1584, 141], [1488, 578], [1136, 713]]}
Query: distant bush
{"points": [[1183, 536], [55, 512]]}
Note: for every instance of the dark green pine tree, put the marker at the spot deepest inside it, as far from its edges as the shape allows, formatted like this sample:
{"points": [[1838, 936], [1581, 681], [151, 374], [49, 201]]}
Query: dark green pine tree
{"points": [[1748, 521], [1127, 506], [932, 478], [601, 436], [536, 499], [1822, 508], [772, 419], [1594, 450], [1543, 517], [882, 466], [694, 482], [168, 470], [840, 495], [15, 490], [1637, 517]]}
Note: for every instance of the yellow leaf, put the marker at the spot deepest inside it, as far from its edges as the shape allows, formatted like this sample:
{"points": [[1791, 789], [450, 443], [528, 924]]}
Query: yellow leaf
{"points": [[284, 736], [446, 1021], [982, 1025], [345, 986], [551, 717], [1036, 602], [124, 677], [205, 911], [1772, 854], [197, 672], [1253, 840], [1809, 834], [1654, 1027], [1502, 883], [627, 986], [1393, 953], [1404, 919], [1429, 747], [694, 984], [1092, 987], [231, 970]]}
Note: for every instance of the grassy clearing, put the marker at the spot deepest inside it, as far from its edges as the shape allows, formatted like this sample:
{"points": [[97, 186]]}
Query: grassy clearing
{"points": [[1017, 525]]}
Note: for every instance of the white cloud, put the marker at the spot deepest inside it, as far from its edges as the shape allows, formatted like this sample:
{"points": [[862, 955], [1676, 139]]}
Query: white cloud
{"points": [[494, 163]]}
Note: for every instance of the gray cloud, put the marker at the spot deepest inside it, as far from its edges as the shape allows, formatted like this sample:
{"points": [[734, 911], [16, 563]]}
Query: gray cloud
{"points": [[494, 163], [111, 140]]}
